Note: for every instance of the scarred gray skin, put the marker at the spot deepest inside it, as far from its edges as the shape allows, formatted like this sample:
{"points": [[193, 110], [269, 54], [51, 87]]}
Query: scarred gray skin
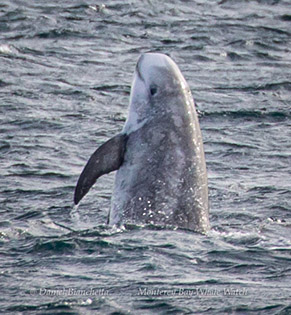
{"points": [[162, 179]]}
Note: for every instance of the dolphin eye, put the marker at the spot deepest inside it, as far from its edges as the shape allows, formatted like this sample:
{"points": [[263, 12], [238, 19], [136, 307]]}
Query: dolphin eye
{"points": [[153, 89]]}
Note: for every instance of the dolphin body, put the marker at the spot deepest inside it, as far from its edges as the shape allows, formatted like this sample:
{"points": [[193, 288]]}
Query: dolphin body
{"points": [[161, 174]]}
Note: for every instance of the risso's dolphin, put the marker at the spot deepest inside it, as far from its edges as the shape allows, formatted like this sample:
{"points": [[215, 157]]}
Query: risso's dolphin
{"points": [[161, 172]]}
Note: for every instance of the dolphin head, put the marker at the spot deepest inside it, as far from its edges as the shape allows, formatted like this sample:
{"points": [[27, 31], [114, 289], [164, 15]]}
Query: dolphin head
{"points": [[156, 80]]}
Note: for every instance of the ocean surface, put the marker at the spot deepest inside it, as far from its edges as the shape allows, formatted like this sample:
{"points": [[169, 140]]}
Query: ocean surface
{"points": [[65, 75]]}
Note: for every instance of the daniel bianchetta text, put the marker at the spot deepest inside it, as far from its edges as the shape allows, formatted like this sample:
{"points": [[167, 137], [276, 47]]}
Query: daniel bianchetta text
{"points": [[70, 292]]}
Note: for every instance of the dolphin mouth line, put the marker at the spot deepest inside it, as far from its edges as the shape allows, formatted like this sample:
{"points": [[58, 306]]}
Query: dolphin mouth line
{"points": [[139, 73], [140, 125], [144, 122], [138, 65]]}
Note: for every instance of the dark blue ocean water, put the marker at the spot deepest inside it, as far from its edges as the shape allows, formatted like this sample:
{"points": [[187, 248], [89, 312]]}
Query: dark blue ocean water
{"points": [[65, 75]]}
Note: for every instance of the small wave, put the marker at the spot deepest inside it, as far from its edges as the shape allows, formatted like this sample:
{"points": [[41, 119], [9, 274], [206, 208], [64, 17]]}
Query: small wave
{"points": [[201, 58], [6, 49], [3, 83], [273, 30], [117, 117], [38, 174], [61, 33], [157, 306], [255, 114], [13, 16], [59, 307], [270, 309], [285, 17], [225, 143], [29, 215], [113, 88], [285, 85], [275, 86], [56, 246], [35, 123], [235, 56], [4, 146]]}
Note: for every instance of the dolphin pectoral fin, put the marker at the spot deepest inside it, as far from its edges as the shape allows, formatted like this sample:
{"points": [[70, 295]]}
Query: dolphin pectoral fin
{"points": [[105, 159]]}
